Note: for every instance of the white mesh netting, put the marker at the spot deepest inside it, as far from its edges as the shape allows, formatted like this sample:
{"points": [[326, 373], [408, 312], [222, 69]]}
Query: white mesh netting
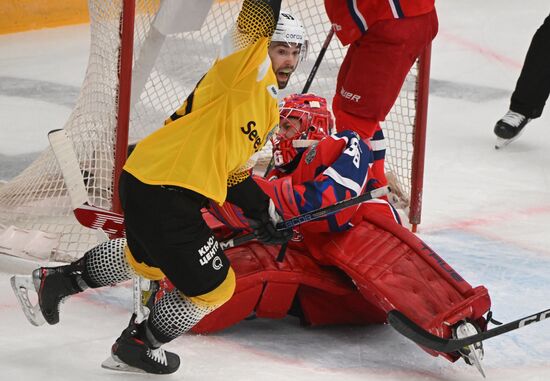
{"points": [[37, 199]]}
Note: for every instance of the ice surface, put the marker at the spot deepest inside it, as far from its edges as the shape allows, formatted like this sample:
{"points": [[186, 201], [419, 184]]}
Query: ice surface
{"points": [[486, 212]]}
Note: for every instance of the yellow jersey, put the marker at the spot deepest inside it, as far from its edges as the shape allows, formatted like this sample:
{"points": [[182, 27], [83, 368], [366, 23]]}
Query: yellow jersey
{"points": [[232, 110]]}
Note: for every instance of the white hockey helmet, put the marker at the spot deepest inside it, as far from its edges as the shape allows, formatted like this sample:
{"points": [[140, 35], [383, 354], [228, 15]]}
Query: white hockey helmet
{"points": [[290, 31]]}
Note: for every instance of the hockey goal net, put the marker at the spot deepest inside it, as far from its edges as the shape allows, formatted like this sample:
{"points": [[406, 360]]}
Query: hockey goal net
{"points": [[166, 69]]}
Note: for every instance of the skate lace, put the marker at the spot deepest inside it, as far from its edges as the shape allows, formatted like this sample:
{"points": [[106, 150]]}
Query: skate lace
{"points": [[157, 355], [513, 118]]}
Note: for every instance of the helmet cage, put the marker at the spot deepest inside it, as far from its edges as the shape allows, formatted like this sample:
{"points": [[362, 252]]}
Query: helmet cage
{"points": [[304, 120]]}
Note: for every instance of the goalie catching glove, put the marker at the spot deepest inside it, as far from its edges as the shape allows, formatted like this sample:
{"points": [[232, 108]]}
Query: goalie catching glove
{"points": [[259, 211]]}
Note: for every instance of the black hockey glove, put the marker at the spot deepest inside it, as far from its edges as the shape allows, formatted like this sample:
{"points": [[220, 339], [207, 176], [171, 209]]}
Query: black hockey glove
{"points": [[260, 212], [264, 227]]}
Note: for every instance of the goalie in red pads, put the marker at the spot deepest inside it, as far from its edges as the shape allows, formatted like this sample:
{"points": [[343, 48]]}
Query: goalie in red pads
{"points": [[349, 268]]}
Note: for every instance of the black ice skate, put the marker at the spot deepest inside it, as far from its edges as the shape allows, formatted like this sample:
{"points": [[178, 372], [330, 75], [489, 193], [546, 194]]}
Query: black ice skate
{"points": [[509, 128], [472, 354], [132, 352], [52, 284]]}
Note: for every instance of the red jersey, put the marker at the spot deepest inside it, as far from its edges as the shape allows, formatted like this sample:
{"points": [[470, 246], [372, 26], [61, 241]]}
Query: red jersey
{"points": [[352, 18], [337, 168]]}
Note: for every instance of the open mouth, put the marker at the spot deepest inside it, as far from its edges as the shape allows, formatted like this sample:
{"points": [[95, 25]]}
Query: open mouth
{"points": [[284, 74]]}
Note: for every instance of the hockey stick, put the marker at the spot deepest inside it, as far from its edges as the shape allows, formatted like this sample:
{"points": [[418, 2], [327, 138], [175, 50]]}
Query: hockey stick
{"points": [[102, 220], [420, 336], [309, 81], [317, 63], [313, 215], [332, 209], [97, 218], [65, 155]]}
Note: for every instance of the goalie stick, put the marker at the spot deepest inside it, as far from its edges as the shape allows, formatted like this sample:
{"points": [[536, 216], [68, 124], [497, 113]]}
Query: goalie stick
{"points": [[420, 336], [113, 223], [332, 209]]}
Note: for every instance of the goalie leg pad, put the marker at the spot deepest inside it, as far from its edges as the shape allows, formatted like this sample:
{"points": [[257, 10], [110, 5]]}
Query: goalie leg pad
{"points": [[320, 307], [268, 288], [394, 269]]}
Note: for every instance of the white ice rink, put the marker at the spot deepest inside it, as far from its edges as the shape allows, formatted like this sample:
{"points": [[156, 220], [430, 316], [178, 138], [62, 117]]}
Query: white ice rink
{"points": [[486, 212]]}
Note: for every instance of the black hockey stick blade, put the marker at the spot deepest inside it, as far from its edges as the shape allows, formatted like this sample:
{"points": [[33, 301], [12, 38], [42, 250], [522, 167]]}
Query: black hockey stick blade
{"points": [[420, 336]]}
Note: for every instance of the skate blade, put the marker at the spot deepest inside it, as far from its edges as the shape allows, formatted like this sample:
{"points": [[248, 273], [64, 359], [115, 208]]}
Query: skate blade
{"points": [[501, 143], [21, 285], [475, 360], [114, 363]]}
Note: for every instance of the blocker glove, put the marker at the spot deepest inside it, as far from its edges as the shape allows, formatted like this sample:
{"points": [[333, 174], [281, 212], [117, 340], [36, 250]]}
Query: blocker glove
{"points": [[260, 212]]}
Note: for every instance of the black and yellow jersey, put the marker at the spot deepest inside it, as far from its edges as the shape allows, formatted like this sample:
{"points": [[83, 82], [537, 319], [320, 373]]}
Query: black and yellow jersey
{"points": [[224, 122]]}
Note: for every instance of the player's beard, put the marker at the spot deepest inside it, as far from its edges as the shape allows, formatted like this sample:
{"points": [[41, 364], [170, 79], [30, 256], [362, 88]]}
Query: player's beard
{"points": [[283, 76]]}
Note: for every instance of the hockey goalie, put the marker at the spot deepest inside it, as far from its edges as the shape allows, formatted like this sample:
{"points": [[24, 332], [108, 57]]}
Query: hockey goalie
{"points": [[351, 267]]}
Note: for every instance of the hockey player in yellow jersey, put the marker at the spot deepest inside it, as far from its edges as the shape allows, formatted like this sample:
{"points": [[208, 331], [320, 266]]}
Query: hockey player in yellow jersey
{"points": [[199, 155], [229, 115]]}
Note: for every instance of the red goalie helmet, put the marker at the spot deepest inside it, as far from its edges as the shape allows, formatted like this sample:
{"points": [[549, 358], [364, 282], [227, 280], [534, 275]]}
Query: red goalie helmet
{"points": [[304, 119]]}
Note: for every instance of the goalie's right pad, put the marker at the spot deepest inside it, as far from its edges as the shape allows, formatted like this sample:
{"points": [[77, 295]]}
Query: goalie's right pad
{"points": [[394, 269]]}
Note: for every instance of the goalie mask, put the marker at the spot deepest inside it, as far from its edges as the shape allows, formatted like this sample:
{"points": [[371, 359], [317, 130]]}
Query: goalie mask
{"points": [[304, 120]]}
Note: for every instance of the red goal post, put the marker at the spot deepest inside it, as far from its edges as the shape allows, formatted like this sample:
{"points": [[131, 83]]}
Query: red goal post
{"points": [[138, 73]]}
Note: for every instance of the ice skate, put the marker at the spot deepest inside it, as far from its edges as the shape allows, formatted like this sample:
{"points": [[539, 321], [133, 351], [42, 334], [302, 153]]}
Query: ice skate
{"points": [[509, 128], [52, 285], [397, 196], [21, 284], [132, 352], [472, 354]]}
